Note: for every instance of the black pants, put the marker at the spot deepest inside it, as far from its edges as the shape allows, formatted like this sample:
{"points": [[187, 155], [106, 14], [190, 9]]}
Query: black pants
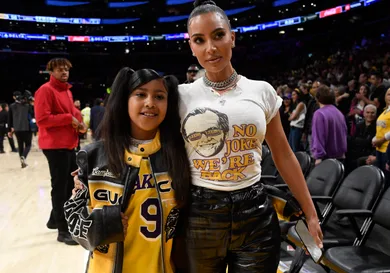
{"points": [[3, 131], [237, 229], [24, 139], [61, 163]]}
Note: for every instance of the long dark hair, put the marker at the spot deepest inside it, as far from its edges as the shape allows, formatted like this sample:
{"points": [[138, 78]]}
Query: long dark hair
{"points": [[116, 128]]}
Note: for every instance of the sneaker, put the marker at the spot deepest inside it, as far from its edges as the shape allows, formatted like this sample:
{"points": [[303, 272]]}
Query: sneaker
{"points": [[23, 162], [64, 237]]}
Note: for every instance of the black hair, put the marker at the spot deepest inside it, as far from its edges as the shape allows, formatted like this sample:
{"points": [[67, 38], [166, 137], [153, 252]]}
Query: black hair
{"points": [[206, 6], [377, 75], [56, 62], [98, 101], [116, 128]]}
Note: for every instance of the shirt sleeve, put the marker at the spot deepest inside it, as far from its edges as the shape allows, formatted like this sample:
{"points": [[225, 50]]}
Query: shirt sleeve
{"points": [[272, 102], [318, 139]]}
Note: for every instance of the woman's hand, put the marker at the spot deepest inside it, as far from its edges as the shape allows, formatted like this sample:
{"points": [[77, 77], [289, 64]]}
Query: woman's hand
{"points": [[315, 231]]}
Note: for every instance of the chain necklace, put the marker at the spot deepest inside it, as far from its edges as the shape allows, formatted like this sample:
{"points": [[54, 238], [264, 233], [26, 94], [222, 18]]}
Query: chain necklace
{"points": [[223, 85]]}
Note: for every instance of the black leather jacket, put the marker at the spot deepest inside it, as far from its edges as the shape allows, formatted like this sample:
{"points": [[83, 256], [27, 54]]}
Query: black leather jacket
{"points": [[99, 229]]}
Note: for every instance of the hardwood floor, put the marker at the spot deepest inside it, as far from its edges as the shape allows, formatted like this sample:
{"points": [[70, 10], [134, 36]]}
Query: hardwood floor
{"points": [[26, 244]]}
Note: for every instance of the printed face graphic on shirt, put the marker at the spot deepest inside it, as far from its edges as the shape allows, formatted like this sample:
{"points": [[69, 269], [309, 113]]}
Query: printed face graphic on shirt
{"points": [[206, 130]]}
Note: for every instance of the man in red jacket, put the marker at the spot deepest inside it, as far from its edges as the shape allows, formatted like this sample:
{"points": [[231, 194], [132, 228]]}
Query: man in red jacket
{"points": [[59, 124]]}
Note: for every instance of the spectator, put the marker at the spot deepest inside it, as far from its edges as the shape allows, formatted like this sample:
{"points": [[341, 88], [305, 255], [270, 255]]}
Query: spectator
{"points": [[329, 130], [355, 114], [382, 137], [360, 149], [19, 118], [311, 106], [97, 113], [285, 112], [297, 120], [191, 73], [4, 129], [59, 123]]}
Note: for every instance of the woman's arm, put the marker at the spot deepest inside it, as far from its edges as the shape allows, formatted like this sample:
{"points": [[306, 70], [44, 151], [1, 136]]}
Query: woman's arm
{"points": [[295, 114], [289, 169]]}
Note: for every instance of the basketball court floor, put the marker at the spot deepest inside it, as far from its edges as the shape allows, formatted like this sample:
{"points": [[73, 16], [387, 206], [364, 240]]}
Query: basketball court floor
{"points": [[26, 244]]}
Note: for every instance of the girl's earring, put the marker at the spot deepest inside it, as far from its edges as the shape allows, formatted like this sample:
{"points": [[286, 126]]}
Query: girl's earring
{"points": [[193, 54]]}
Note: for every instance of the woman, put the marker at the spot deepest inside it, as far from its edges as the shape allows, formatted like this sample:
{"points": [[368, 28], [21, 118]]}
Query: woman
{"points": [[285, 113], [135, 181], [225, 117], [382, 137], [297, 121], [329, 129], [355, 114]]}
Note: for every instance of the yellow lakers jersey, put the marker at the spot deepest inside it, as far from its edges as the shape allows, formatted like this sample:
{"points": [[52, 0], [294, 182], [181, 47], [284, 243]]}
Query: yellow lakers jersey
{"points": [[382, 127], [151, 210], [148, 211]]}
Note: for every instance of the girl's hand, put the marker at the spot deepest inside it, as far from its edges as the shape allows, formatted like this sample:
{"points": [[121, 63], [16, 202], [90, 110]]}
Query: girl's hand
{"points": [[125, 223], [77, 183]]}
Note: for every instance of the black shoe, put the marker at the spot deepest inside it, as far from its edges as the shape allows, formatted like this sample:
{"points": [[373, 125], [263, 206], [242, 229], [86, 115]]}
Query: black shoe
{"points": [[14, 150], [23, 162], [2, 152], [64, 237], [51, 224]]}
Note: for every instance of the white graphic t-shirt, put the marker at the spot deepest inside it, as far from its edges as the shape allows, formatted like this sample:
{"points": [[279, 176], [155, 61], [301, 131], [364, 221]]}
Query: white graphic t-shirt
{"points": [[224, 133]]}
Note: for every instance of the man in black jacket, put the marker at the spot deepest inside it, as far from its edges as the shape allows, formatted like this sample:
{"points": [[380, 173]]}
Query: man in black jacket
{"points": [[97, 113], [20, 115], [4, 128], [311, 106]]}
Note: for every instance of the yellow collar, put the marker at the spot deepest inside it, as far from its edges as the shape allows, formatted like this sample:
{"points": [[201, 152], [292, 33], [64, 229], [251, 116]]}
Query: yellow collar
{"points": [[143, 150]]}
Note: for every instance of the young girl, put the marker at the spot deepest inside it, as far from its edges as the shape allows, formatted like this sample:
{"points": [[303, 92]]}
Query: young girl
{"points": [[127, 210]]}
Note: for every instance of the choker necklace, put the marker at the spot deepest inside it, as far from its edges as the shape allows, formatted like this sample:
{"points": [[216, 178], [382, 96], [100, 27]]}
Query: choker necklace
{"points": [[223, 85]]}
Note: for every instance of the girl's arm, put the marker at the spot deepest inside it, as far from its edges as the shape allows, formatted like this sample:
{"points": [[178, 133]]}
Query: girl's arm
{"points": [[289, 168], [295, 114], [91, 227]]}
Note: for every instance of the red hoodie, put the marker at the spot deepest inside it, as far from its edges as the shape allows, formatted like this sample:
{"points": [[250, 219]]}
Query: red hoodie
{"points": [[54, 110]]}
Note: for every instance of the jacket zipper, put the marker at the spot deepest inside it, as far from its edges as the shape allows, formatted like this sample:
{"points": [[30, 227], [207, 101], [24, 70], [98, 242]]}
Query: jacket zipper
{"points": [[114, 269], [162, 218]]}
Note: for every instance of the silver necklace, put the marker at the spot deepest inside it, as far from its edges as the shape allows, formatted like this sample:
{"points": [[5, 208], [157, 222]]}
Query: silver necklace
{"points": [[223, 85]]}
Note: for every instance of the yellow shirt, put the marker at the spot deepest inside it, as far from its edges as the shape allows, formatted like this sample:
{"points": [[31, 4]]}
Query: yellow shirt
{"points": [[148, 243], [382, 127], [146, 236]]}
